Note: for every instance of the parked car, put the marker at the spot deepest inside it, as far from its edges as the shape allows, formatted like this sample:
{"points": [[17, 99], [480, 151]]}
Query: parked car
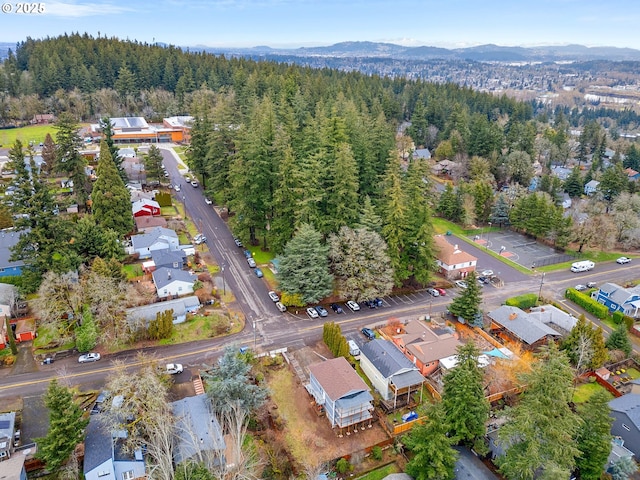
{"points": [[441, 291], [312, 312], [176, 187], [274, 296], [379, 302], [353, 306], [258, 273], [433, 292], [580, 287], [367, 332], [461, 284], [194, 184], [248, 254], [591, 285], [370, 303], [322, 311], [48, 361], [174, 368], [251, 262], [623, 260], [207, 201], [199, 238], [487, 273], [281, 306], [484, 280], [238, 242], [336, 308], [89, 357]]}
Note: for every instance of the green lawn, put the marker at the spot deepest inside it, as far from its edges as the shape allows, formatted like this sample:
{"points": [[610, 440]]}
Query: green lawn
{"points": [[132, 271], [380, 473], [586, 390], [261, 258], [34, 133], [201, 327], [633, 373]]}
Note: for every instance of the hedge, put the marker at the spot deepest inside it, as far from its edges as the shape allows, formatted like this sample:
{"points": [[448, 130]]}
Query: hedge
{"points": [[588, 303], [523, 302]]}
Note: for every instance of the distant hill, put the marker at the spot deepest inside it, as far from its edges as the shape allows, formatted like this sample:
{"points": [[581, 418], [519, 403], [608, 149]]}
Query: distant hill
{"points": [[481, 53], [4, 49]]}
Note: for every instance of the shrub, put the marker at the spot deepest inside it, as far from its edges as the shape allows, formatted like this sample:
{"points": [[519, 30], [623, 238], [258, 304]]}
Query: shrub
{"points": [[588, 303], [617, 317], [343, 466], [523, 302], [376, 453]]}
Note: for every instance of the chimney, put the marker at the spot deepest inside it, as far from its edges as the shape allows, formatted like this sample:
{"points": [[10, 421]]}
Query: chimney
{"points": [[169, 274], [513, 316]]}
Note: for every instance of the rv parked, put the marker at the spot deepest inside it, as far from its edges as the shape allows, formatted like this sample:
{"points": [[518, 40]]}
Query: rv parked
{"points": [[583, 266]]}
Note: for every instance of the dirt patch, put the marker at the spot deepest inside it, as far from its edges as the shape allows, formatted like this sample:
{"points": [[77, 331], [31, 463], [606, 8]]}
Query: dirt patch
{"points": [[308, 436]]}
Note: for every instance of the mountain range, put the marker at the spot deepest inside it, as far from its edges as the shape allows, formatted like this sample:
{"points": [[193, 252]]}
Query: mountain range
{"points": [[481, 53]]}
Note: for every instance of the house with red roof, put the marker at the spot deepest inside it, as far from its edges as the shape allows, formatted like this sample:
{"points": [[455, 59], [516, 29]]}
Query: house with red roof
{"points": [[453, 262]]}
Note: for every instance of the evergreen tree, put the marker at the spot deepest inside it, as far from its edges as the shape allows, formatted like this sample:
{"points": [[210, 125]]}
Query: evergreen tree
{"points": [[539, 434], [343, 198], [369, 219], [619, 340], [111, 199], [594, 436], [614, 181], [10, 335], [66, 427], [500, 211], [153, 164], [107, 132], [49, 154], [68, 158], [467, 304], [466, 407], [433, 457], [198, 149], [304, 266], [395, 222], [449, 205]]}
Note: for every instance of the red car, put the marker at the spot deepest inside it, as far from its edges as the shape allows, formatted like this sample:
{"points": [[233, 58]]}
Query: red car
{"points": [[441, 291]]}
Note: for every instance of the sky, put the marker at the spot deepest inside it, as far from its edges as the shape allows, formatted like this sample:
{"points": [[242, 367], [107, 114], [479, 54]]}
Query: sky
{"points": [[296, 23]]}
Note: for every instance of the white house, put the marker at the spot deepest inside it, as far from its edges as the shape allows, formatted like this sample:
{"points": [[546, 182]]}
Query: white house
{"points": [[591, 187], [139, 317], [159, 238], [171, 282]]}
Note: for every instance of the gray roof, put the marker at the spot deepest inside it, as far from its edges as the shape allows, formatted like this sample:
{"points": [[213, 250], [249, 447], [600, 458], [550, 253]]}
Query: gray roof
{"points": [[592, 184], [7, 424], [145, 240], [524, 326], [147, 313], [618, 294], [8, 239], [386, 357], [197, 427], [166, 258], [628, 404], [164, 276], [97, 444], [422, 153], [552, 314]]}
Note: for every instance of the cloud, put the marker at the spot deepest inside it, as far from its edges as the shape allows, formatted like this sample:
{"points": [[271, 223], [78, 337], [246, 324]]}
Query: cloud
{"points": [[75, 10]]}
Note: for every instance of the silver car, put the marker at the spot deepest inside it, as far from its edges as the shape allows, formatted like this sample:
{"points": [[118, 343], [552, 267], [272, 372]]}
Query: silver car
{"points": [[89, 357]]}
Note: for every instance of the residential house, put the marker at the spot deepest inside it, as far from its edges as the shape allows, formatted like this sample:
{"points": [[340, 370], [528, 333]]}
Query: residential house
{"points": [[619, 299], [618, 452], [632, 175], [625, 411], [171, 282], [43, 119], [554, 317], [444, 167], [422, 154], [197, 432], [145, 208], [13, 468], [7, 430], [137, 194], [591, 187], [9, 268], [168, 258], [147, 224], [522, 327], [561, 172], [336, 386], [452, 262], [139, 317], [426, 346], [391, 373], [105, 457], [158, 239]]}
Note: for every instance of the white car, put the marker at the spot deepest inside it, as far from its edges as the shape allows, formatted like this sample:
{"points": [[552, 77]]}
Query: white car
{"points": [[174, 368], [199, 238], [433, 292], [312, 312], [274, 296], [487, 273], [176, 187], [194, 184], [580, 287], [353, 306], [89, 357], [208, 201], [281, 306], [461, 284], [251, 262], [623, 260]]}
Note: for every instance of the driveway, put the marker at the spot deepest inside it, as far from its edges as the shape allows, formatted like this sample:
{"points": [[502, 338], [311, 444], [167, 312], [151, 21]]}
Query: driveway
{"points": [[25, 363], [470, 467]]}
